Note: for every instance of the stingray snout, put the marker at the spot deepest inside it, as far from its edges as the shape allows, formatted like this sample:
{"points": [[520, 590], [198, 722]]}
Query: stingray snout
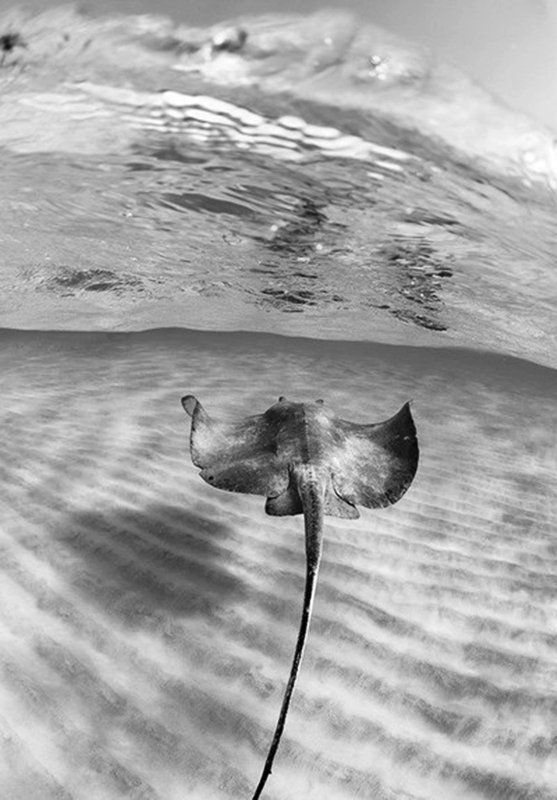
{"points": [[282, 399]]}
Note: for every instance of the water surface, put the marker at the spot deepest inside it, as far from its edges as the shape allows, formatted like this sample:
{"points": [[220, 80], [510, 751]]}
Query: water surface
{"points": [[208, 181]]}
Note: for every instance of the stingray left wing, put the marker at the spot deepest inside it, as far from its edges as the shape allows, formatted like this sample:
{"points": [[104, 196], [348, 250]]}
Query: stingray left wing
{"points": [[239, 456], [373, 465]]}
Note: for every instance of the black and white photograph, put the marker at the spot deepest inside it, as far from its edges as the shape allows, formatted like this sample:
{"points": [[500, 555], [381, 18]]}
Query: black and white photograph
{"points": [[278, 417]]}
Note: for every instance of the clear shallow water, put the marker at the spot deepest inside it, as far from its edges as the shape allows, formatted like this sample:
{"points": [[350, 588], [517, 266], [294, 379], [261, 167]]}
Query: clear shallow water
{"points": [[147, 621]]}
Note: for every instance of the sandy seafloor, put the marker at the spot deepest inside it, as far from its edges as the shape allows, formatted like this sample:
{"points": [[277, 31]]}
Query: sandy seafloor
{"points": [[147, 621]]}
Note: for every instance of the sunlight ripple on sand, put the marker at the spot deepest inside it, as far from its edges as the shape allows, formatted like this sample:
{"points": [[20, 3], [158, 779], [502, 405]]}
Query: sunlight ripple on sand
{"points": [[147, 621]]}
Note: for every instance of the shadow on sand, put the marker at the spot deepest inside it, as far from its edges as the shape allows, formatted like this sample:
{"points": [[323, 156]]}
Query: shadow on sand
{"points": [[140, 564]]}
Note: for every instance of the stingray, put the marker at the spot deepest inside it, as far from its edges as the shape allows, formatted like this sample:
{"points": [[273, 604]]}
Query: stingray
{"points": [[305, 460]]}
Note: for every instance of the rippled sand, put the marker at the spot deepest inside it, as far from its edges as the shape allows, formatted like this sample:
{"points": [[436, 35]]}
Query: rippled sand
{"points": [[147, 621]]}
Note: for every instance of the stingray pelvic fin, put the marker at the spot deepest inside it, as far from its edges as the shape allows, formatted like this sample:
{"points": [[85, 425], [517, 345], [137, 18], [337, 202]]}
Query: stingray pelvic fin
{"points": [[287, 503]]}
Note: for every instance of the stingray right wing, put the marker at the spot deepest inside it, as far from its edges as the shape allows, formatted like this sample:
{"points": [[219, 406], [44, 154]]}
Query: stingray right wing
{"points": [[239, 456], [373, 465]]}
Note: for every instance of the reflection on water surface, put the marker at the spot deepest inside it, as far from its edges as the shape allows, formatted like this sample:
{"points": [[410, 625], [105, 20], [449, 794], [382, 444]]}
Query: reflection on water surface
{"points": [[176, 222], [151, 184]]}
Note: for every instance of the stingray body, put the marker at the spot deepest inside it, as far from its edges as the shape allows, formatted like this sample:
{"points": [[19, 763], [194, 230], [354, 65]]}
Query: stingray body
{"points": [[306, 461]]}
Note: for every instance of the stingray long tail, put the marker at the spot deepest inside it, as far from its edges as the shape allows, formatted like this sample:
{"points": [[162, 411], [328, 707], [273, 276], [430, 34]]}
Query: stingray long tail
{"points": [[311, 495]]}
